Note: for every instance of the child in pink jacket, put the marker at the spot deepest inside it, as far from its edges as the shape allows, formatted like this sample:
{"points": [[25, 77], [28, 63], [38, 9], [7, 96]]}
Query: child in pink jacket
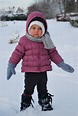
{"points": [[36, 50]]}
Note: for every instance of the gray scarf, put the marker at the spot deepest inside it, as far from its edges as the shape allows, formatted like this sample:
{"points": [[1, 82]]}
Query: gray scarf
{"points": [[48, 44]]}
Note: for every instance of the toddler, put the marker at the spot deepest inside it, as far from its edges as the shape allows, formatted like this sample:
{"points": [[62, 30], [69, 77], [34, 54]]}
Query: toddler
{"points": [[36, 50]]}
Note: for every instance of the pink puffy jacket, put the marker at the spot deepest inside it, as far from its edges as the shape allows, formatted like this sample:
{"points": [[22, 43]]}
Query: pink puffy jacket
{"points": [[35, 58]]}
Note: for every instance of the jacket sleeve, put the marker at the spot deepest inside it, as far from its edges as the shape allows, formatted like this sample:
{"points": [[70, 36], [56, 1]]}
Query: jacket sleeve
{"points": [[18, 53], [55, 56]]}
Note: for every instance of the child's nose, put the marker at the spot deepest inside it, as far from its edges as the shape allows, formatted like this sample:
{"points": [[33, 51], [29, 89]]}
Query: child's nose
{"points": [[36, 30]]}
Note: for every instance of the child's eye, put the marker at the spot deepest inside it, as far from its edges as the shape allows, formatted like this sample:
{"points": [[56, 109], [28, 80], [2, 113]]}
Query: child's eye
{"points": [[36, 28], [40, 28], [33, 27]]}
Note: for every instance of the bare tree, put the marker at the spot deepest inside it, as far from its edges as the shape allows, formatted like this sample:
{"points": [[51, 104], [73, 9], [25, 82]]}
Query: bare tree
{"points": [[76, 3], [60, 6], [49, 7]]}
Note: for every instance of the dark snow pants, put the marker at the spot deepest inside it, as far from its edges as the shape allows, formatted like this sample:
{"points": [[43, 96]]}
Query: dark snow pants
{"points": [[35, 79]]}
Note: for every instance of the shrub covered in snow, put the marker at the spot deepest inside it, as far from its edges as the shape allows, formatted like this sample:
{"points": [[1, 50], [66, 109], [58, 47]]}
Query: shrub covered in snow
{"points": [[62, 17], [13, 17], [14, 38], [74, 19]]}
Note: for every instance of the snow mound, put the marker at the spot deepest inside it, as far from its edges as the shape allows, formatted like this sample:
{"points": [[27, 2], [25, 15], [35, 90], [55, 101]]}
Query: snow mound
{"points": [[14, 38]]}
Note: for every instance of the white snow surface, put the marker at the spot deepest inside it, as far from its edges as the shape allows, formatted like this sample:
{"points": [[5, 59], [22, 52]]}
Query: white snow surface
{"points": [[62, 84]]}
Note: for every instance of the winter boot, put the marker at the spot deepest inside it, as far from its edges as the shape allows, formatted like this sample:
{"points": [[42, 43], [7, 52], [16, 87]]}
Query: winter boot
{"points": [[25, 102], [45, 102]]}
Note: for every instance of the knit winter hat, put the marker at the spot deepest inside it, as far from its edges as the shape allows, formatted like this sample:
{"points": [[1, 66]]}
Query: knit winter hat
{"points": [[38, 21]]}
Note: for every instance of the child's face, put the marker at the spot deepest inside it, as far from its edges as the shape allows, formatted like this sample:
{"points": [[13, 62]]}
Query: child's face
{"points": [[35, 31]]}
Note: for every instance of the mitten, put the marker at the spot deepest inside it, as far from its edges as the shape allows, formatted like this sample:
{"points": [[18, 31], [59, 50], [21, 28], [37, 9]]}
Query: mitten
{"points": [[66, 67], [10, 70]]}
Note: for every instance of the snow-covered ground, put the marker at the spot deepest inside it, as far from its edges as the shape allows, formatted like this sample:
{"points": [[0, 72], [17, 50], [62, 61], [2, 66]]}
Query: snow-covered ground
{"points": [[62, 84]]}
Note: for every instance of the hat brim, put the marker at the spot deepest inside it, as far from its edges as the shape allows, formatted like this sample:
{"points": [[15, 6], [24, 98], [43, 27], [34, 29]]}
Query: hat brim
{"points": [[39, 24]]}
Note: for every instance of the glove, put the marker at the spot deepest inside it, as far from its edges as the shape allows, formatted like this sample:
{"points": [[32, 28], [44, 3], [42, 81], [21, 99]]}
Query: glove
{"points": [[66, 67], [10, 70]]}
